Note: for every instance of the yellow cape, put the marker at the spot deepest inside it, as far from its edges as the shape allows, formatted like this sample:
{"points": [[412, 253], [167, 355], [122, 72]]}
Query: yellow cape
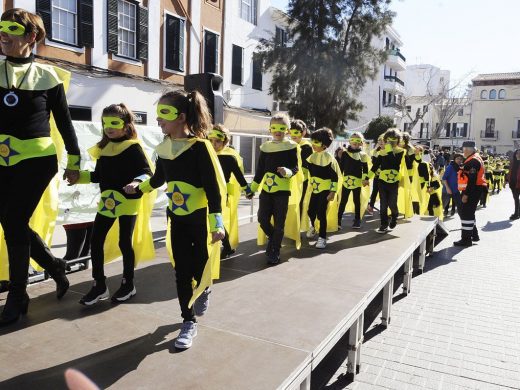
{"points": [[142, 238], [168, 150], [230, 212], [44, 217]]}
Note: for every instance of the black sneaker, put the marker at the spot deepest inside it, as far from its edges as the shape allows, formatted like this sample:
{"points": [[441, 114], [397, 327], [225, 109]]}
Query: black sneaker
{"points": [[356, 224], [475, 238], [98, 292], [226, 252], [382, 229], [269, 249], [514, 217], [393, 224], [125, 292], [274, 258]]}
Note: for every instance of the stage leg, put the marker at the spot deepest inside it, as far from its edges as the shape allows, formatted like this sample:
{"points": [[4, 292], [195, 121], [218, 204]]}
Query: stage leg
{"points": [[408, 273], [388, 293]]}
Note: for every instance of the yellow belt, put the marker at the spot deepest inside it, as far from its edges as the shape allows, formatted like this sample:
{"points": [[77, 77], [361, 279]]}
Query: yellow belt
{"points": [[13, 150], [113, 204], [184, 199]]}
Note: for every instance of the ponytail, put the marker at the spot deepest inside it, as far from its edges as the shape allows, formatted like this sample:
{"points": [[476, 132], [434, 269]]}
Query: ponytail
{"points": [[194, 106]]}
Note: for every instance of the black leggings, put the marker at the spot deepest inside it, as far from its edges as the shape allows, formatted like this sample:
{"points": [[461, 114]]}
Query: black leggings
{"points": [[356, 193], [388, 199], [318, 208], [100, 230], [188, 237], [304, 191], [273, 206], [23, 185], [375, 191]]}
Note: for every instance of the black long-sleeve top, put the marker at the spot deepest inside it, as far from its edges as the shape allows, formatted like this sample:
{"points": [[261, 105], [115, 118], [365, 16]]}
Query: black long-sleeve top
{"points": [[306, 151], [195, 167], [114, 172], [351, 166], [387, 161], [423, 171], [270, 161], [230, 166], [325, 173], [30, 117]]}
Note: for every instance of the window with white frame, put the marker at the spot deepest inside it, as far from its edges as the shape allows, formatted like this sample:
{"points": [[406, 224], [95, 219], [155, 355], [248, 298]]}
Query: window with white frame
{"points": [[65, 21], [126, 29], [174, 50], [211, 52], [502, 94], [248, 10]]}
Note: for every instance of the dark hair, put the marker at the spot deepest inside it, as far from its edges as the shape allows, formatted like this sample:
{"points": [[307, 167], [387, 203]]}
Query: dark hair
{"points": [[457, 155], [33, 23], [224, 130], [323, 135], [392, 133], [194, 106], [121, 111], [298, 124]]}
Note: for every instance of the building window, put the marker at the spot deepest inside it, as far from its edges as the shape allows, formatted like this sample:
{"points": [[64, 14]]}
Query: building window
{"points": [[237, 66], [248, 10], [484, 94], [493, 94], [384, 98], [502, 94], [257, 72], [126, 31], [406, 125], [490, 126], [461, 112], [174, 37], [211, 42], [281, 36], [409, 108], [65, 21], [425, 109]]}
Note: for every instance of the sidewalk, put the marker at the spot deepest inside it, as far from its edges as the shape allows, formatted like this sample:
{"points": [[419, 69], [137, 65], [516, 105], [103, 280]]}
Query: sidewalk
{"points": [[460, 326]]}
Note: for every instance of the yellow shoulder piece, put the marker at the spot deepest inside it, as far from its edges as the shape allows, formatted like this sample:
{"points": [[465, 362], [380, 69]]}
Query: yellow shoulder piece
{"points": [[271, 146], [305, 141], [227, 151], [321, 159], [111, 149], [170, 149], [44, 76], [364, 157]]}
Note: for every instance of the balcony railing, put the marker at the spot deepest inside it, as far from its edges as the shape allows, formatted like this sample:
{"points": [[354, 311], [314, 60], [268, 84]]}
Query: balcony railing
{"points": [[486, 134], [396, 53], [395, 79], [516, 134]]}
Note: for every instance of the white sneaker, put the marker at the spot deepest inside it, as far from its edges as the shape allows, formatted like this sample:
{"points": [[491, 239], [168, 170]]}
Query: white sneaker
{"points": [[311, 232], [322, 243], [185, 338]]}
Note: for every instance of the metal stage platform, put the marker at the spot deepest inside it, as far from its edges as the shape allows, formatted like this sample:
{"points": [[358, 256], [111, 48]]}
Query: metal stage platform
{"points": [[266, 328]]}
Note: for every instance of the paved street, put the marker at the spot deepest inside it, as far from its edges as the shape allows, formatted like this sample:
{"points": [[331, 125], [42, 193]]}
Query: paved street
{"points": [[460, 326]]}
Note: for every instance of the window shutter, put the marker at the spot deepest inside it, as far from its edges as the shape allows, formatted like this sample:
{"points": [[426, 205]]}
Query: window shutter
{"points": [[465, 130], [454, 129], [142, 30], [86, 24], [236, 67], [257, 72], [112, 26], [174, 43], [181, 31], [43, 8]]}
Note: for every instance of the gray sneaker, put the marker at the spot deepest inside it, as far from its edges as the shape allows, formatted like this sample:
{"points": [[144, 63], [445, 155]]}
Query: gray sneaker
{"points": [[185, 338], [201, 304]]}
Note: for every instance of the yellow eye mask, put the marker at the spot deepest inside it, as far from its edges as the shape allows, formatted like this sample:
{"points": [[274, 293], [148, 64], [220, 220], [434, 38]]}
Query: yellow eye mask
{"points": [[113, 122], [167, 112], [216, 134], [11, 28], [391, 139], [278, 128], [318, 144], [359, 140], [295, 132]]}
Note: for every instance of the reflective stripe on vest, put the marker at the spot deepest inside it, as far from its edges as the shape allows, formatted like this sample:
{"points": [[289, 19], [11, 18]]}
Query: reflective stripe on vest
{"points": [[275, 183], [13, 150], [113, 204]]}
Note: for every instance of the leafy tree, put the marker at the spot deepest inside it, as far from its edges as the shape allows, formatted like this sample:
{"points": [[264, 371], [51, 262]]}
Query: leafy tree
{"points": [[328, 58], [378, 126]]}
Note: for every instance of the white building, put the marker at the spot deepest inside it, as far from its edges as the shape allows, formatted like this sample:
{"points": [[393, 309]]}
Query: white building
{"points": [[380, 95], [496, 111]]}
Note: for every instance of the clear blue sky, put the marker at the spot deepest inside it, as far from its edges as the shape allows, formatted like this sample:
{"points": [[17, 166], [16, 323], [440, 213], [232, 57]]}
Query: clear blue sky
{"points": [[463, 36]]}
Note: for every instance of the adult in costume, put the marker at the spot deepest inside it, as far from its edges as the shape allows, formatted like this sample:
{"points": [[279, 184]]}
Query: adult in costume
{"points": [[29, 93]]}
